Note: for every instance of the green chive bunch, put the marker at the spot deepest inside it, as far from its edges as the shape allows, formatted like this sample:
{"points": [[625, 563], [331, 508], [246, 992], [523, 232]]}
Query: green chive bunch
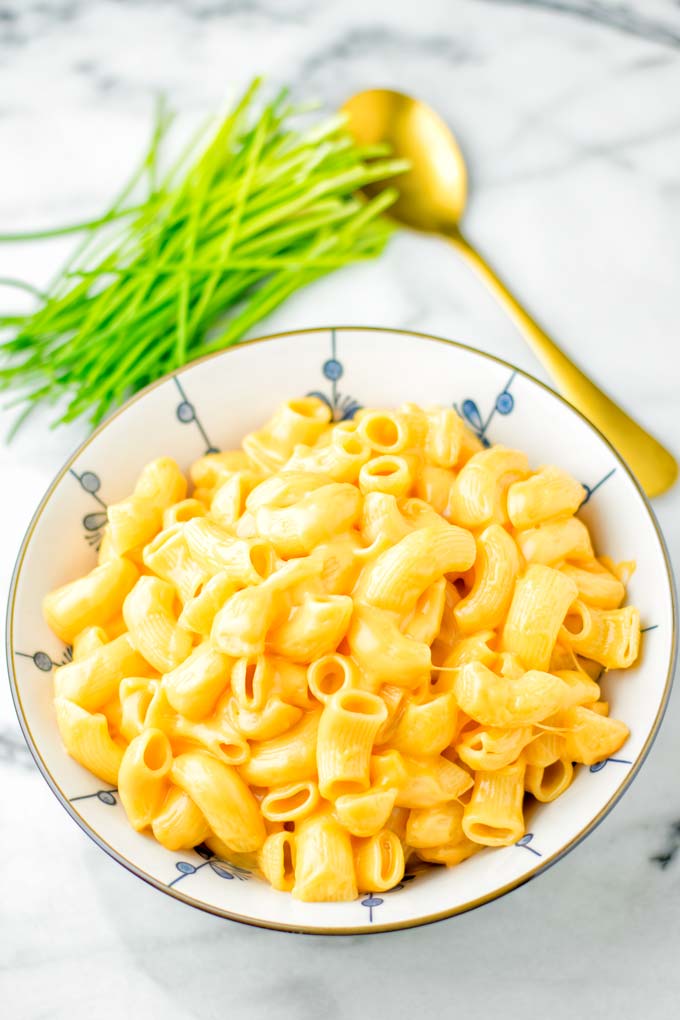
{"points": [[210, 248]]}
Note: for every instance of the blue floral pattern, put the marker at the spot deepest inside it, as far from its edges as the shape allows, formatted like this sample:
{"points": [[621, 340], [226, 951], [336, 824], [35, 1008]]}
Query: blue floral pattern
{"points": [[342, 407], [591, 489], [525, 842], [94, 522], [372, 902], [503, 404], [219, 867], [44, 662], [599, 765], [186, 413], [107, 797]]}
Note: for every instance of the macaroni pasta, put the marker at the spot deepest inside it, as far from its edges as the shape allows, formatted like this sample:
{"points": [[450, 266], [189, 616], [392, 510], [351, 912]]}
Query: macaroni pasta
{"points": [[343, 649]]}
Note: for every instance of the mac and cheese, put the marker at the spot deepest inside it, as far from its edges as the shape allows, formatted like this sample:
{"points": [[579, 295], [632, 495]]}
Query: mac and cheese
{"points": [[348, 648]]}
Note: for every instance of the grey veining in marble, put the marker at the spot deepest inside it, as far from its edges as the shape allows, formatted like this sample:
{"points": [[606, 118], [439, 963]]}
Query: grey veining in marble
{"points": [[569, 113], [635, 19]]}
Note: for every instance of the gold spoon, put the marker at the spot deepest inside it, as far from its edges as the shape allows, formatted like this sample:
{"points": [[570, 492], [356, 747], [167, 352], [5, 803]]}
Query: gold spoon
{"points": [[432, 198]]}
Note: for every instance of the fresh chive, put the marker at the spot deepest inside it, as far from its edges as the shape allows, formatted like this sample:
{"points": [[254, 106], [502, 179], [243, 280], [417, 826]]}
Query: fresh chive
{"points": [[211, 247]]}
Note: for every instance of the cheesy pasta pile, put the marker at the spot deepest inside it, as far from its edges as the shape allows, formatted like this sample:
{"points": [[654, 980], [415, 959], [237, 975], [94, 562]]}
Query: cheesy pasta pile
{"points": [[353, 645]]}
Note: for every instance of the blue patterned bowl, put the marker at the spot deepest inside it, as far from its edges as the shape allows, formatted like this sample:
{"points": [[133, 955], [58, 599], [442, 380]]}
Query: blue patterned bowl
{"points": [[211, 404]]}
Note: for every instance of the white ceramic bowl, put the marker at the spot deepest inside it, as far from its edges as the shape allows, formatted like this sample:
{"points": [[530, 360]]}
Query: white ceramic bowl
{"points": [[211, 404]]}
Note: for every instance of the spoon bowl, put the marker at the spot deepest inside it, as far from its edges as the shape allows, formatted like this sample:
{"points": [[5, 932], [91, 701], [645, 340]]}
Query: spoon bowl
{"points": [[433, 193]]}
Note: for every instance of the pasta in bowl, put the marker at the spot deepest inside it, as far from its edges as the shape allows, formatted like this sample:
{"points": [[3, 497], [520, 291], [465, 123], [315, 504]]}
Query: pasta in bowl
{"points": [[363, 643]]}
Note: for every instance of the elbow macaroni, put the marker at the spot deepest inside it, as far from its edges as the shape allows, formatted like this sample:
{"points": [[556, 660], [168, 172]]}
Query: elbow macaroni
{"points": [[347, 646]]}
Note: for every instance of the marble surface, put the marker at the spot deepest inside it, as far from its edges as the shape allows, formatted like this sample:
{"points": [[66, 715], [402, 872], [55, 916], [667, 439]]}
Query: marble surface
{"points": [[569, 112]]}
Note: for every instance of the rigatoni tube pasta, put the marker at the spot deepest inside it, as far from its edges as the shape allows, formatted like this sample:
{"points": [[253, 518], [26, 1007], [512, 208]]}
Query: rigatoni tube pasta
{"points": [[179, 825], [350, 646], [225, 800], [92, 680], [90, 600], [347, 730], [143, 776]]}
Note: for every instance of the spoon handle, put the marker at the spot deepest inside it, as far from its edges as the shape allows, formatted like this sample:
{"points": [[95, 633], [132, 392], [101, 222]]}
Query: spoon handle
{"points": [[656, 469]]}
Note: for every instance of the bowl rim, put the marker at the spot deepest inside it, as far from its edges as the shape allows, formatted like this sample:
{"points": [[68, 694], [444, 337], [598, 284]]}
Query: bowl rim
{"points": [[323, 930]]}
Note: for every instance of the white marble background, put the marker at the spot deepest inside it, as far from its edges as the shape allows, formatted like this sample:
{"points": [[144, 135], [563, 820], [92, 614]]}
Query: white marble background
{"points": [[569, 112]]}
